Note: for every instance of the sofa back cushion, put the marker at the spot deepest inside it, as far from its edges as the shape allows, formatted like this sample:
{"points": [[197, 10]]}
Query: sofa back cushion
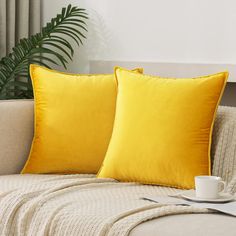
{"points": [[16, 133]]}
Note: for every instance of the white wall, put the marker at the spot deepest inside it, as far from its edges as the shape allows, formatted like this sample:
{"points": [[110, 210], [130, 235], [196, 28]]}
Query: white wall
{"points": [[155, 30]]}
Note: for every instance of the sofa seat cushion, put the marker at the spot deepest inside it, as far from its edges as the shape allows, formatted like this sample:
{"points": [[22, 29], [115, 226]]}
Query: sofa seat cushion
{"points": [[191, 224], [84, 205]]}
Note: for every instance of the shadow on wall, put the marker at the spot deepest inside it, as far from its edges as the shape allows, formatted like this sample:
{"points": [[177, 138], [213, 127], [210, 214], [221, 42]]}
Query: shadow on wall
{"points": [[99, 37], [95, 46], [229, 97]]}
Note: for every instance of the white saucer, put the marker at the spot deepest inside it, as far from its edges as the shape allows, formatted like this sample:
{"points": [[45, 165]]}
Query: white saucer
{"points": [[223, 197]]}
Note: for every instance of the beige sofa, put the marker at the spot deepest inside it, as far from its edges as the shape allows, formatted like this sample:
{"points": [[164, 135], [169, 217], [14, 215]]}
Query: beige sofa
{"points": [[16, 132]]}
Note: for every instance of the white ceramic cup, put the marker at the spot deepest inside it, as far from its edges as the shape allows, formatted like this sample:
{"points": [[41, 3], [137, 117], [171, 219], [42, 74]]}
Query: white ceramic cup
{"points": [[208, 187]]}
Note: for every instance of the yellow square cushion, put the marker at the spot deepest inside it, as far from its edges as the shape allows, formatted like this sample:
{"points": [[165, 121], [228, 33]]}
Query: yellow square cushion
{"points": [[74, 117], [162, 129]]}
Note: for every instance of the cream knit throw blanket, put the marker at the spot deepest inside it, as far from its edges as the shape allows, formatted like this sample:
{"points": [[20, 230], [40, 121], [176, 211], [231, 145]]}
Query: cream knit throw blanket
{"points": [[224, 146], [80, 205], [84, 205]]}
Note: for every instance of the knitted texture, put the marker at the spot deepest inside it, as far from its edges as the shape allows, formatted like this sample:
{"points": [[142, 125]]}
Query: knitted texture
{"points": [[80, 205], [224, 146]]}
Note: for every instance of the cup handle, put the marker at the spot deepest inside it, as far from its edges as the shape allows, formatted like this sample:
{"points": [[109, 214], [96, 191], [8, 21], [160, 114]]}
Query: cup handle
{"points": [[222, 183]]}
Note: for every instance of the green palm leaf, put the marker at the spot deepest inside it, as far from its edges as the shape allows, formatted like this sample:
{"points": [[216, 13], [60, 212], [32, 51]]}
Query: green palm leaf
{"points": [[45, 48]]}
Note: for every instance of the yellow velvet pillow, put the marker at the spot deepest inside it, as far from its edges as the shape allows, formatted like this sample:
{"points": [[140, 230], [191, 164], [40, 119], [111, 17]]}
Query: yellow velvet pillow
{"points": [[74, 117], [162, 129]]}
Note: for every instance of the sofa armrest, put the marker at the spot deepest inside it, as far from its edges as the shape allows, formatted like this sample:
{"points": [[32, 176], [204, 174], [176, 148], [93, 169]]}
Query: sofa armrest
{"points": [[16, 133]]}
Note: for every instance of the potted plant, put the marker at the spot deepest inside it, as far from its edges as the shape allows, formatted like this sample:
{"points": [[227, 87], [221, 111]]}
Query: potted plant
{"points": [[50, 46]]}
